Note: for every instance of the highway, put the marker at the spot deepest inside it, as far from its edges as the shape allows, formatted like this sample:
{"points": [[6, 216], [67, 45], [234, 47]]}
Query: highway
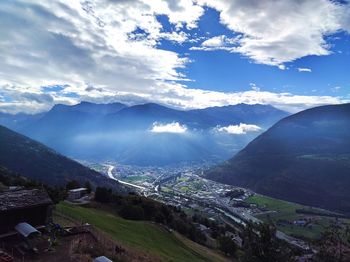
{"points": [[110, 175]]}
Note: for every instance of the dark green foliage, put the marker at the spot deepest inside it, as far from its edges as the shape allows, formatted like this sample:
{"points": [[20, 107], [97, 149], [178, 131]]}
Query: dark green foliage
{"points": [[133, 212], [304, 158], [227, 245], [103, 195], [87, 185], [141, 208], [56, 193], [235, 193], [334, 245], [72, 184], [261, 245], [216, 229]]}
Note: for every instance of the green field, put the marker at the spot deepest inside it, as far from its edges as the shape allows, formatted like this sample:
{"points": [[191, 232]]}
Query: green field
{"points": [[287, 211], [182, 179], [184, 189], [165, 189], [198, 185], [140, 235]]}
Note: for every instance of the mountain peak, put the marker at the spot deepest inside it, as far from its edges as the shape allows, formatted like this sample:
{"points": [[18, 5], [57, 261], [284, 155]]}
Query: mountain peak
{"points": [[89, 107]]}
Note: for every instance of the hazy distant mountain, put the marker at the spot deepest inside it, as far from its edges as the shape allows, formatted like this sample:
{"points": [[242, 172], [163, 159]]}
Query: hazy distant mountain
{"points": [[304, 158], [261, 115], [116, 132], [90, 108], [58, 115], [31, 159], [18, 121]]}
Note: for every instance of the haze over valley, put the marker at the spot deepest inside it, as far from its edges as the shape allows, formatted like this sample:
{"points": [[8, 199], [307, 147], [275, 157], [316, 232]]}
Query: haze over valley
{"points": [[116, 132]]}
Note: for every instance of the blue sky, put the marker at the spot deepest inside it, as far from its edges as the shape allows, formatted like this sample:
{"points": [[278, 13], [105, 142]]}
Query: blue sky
{"points": [[235, 73], [223, 71], [183, 54]]}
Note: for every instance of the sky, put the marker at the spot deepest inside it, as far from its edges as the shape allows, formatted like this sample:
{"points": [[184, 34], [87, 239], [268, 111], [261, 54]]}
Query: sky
{"points": [[180, 53]]}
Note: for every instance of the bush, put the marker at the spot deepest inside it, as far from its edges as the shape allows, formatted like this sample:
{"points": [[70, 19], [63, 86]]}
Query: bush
{"points": [[132, 212], [72, 184], [227, 245], [103, 195]]}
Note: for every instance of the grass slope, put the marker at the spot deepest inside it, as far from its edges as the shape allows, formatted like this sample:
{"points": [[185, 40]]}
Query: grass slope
{"points": [[141, 235]]}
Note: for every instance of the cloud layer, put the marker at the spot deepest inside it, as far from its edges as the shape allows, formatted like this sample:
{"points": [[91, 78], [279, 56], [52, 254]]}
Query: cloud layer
{"points": [[107, 50], [240, 129], [174, 127], [275, 32], [304, 70]]}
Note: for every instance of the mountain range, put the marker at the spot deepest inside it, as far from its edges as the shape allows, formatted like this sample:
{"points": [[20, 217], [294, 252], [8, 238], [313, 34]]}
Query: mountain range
{"points": [[303, 158], [116, 132], [22, 155]]}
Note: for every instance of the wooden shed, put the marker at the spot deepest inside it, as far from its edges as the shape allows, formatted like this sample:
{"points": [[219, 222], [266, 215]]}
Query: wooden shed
{"points": [[33, 206]]}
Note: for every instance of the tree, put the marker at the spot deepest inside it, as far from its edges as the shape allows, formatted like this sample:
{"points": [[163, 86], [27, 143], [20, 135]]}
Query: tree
{"points": [[333, 243], [72, 184], [261, 245], [103, 195], [56, 194], [87, 185], [227, 245], [159, 218], [132, 212]]}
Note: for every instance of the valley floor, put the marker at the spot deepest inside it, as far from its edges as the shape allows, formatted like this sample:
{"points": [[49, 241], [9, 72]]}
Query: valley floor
{"points": [[184, 186], [295, 219]]}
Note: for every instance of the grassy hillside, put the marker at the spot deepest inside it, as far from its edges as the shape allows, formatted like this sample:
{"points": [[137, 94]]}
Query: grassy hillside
{"points": [[142, 235]]}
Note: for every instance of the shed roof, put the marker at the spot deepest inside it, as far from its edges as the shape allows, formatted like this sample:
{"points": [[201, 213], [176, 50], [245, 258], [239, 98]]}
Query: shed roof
{"points": [[25, 229], [78, 189], [23, 199], [102, 259]]}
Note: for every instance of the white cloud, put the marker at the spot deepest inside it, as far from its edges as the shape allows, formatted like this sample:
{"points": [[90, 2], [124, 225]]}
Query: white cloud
{"points": [[303, 69], [180, 12], [107, 50], [103, 43], [276, 32], [336, 88], [240, 129], [169, 94], [214, 41], [254, 87], [195, 98], [174, 127], [220, 42]]}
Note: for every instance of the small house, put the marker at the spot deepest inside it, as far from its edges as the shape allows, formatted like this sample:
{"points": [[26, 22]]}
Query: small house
{"points": [[77, 193], [33, 206]]}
